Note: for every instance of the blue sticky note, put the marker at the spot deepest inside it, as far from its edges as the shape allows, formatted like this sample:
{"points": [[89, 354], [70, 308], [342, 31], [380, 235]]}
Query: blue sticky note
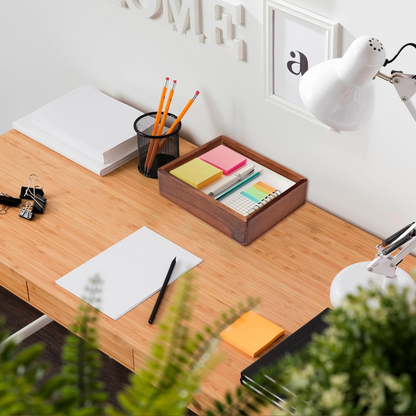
{"points": [[250, 197]]}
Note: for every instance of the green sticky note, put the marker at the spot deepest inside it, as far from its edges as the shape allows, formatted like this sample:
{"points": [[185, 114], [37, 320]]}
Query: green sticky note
{"points": [[256, 193]]}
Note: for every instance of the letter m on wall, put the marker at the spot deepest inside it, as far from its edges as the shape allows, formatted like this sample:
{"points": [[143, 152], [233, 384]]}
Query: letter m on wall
{"points": [[185, 18]]}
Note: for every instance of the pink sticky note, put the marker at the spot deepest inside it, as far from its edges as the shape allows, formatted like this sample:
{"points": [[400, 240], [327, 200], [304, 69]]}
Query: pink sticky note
{"points": [[224, 158]]}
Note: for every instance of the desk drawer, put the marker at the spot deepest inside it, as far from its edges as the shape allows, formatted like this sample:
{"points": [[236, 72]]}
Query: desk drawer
{"points": [[139, 360], [109, 343], [13, 282], [116, 348]]}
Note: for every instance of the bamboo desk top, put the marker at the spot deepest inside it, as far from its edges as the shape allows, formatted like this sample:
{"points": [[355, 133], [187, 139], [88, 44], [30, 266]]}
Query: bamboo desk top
{"points": [[290, 267]]}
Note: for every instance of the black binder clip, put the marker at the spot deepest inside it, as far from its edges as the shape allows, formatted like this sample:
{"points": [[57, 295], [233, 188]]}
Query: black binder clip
{"points": [[35, 193], [26, 211], [9, 200], [6, 201]]}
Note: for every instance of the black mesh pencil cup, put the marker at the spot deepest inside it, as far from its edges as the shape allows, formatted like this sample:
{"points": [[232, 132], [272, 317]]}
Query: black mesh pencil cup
{"points": [[156, 151]]}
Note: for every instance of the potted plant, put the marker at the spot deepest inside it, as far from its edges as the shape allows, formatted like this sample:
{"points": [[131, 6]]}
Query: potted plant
{"points": [[364, 363]]}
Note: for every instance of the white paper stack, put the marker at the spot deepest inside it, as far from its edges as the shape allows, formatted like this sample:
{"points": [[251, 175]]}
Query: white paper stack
{"points": [[86, 126], [130, 271]]}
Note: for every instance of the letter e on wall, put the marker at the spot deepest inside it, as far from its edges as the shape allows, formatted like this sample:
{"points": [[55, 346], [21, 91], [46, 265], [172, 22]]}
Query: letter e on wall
{"points": [[225, 17]]}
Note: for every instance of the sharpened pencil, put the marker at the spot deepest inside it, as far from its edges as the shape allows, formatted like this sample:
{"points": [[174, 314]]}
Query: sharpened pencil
{"points": [[155, 148], [172, 127], [153, 143]]}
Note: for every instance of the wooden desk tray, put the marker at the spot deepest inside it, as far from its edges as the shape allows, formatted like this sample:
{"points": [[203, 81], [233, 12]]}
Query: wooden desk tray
{"points": [[242, 229]]}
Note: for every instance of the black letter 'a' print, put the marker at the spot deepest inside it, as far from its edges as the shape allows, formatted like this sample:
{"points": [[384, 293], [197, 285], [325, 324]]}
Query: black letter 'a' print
{"points": [[303, 63]]}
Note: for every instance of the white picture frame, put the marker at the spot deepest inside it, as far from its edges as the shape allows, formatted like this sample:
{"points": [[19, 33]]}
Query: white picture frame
{"points": [[295, 39]]}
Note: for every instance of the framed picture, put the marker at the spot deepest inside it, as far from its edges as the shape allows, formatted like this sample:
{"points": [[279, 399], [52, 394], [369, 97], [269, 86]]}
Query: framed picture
{"points": [[295, 39]]}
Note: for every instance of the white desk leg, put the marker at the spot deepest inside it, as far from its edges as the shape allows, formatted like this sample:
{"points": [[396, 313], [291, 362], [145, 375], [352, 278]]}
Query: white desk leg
{"points": [[28, 330]]}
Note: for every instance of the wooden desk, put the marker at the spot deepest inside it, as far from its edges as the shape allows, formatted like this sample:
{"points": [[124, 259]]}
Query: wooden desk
{"points": [[290, 267]]}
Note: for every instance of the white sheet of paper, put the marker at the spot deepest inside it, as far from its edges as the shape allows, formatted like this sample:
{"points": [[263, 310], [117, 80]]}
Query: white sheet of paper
{"points": [[25, 126], [130, 271], [91, 122]]}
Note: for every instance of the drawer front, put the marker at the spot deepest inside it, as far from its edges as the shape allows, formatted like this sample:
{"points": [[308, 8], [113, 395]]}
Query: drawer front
{"points": [[139, 360], [13, 282], [109, 343], [116, 348]]}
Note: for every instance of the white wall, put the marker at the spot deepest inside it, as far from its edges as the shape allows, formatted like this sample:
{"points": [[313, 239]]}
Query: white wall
{"points": [[48, 47]]}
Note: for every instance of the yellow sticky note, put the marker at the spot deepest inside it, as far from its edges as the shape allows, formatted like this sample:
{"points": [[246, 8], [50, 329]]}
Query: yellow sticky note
{"points": [[251, 333], [197, 173]]}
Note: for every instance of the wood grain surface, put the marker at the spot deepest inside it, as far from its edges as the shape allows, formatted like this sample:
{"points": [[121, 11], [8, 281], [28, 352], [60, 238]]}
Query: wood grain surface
{"points": [[290, 267]]}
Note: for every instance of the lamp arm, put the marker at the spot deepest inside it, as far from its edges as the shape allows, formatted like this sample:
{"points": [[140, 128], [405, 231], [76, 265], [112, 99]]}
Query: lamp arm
{"points": [[384, 77], [387, 241], [384, 263], [399, 243], [405, 85]]}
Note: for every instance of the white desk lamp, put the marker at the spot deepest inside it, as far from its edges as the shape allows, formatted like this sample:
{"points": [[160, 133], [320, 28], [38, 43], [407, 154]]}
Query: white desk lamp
{"points": [[339, 92], [382, 271]]}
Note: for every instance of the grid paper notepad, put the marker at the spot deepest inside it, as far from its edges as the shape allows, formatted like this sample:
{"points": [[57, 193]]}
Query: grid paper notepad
{"points": [[253, 198], [131, 271]]}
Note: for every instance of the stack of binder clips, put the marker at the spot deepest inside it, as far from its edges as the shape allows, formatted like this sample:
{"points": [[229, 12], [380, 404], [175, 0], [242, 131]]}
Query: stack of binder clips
{"points": [[31, 200]]}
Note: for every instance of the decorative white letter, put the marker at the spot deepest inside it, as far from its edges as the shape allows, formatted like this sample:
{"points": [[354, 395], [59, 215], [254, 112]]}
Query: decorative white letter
{"points": [[225, 16], [184, 17], [149, 10], [119, 3]]}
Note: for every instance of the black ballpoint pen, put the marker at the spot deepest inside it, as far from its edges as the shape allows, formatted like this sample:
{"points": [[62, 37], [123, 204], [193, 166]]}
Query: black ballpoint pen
{"points": [[162, 291]]}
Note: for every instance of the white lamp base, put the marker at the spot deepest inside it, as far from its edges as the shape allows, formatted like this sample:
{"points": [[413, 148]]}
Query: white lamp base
{"points": [[349, 279]]}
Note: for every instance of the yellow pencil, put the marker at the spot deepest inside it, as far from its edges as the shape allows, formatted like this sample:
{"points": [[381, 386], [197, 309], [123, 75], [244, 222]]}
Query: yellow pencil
{"points": [[172, 127], [155, 148], [166, 111], [153, 143]]}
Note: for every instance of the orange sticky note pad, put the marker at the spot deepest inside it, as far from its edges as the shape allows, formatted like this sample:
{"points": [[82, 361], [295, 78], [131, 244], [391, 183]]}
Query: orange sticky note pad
{"points": [[265, 186], [251, 333]]}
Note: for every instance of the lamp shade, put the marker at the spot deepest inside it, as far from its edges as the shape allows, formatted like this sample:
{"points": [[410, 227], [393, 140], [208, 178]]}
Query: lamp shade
{"points": [[339, 92]]}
